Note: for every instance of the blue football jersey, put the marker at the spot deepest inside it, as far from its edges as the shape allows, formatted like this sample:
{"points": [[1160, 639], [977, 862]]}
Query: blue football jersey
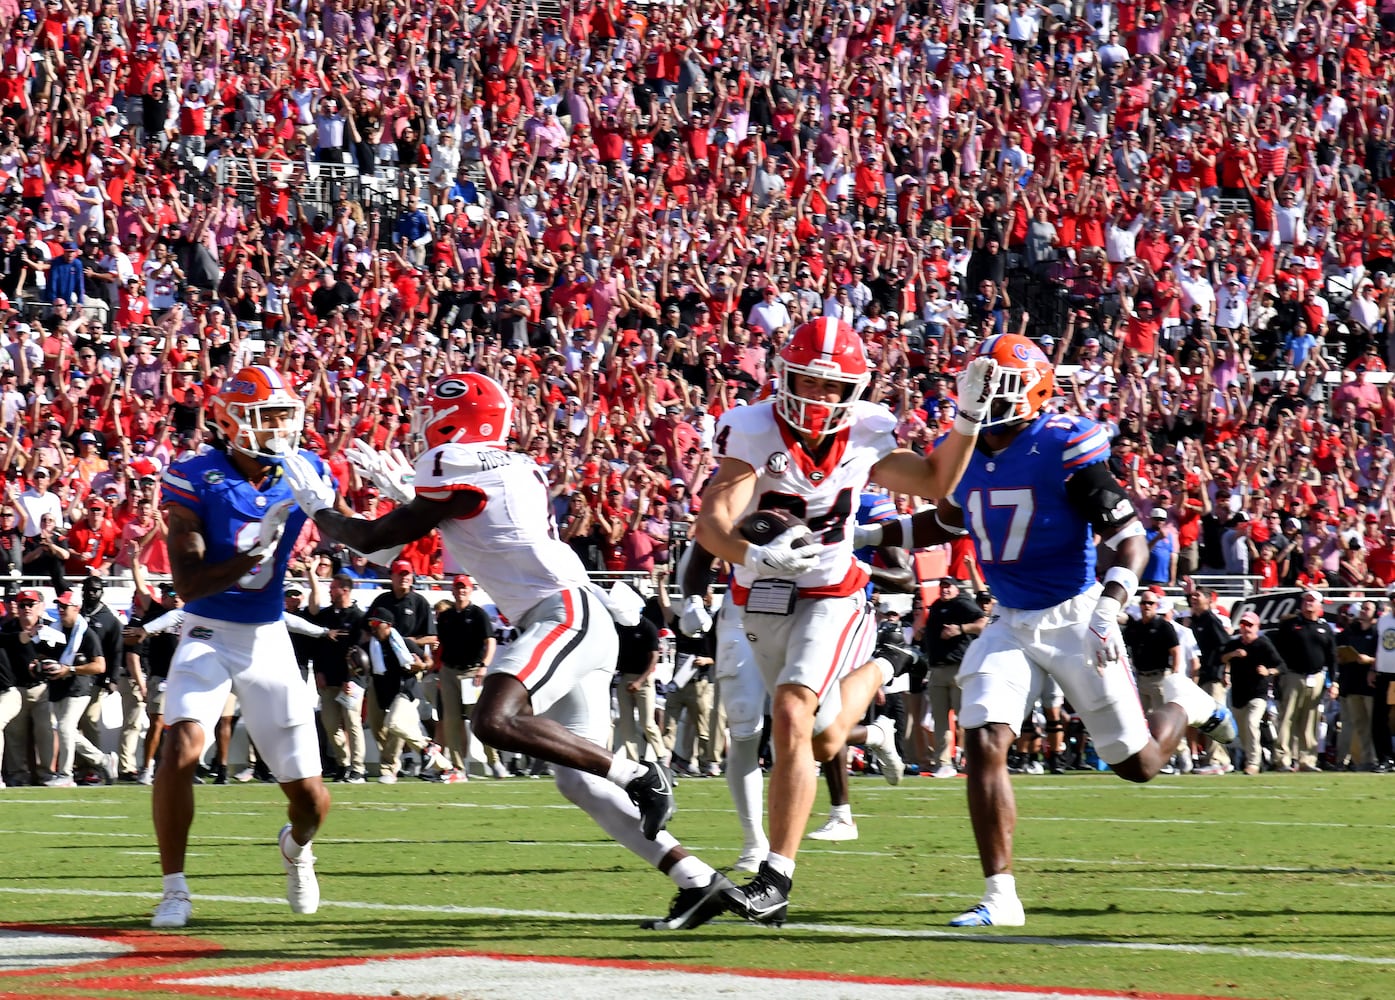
{"points": [[871, 508], [231, 509], [1035, 549]]}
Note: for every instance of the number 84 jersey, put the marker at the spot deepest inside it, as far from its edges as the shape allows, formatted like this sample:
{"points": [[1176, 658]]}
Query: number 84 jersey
{"points": [[1034, 545], [822, 491]]}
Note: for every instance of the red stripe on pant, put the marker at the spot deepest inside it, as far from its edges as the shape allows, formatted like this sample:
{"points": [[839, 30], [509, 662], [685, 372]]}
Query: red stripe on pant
{"points": [[550, 640], [838, 653]]}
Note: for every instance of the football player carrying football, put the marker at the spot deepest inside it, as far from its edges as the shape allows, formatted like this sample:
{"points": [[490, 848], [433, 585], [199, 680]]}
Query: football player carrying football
{"points": [[1036, 493], [232, 526], [548, 694], [808, 452]]}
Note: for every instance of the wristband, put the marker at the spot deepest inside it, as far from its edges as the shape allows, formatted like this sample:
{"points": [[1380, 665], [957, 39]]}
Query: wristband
{"points": [[907, 524], [1125, 578], [966, 425]]}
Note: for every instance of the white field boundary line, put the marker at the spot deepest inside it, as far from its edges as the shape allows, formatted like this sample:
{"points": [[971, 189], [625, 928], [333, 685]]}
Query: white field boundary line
{"points": [[841, 930]]}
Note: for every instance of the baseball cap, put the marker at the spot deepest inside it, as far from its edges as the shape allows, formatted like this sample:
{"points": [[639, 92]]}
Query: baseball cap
{"points": [[87, 437], [1249, 618], [1158, 512], [294, 592], [29, 595], [381, 614], [949, 581], [463, 578], [400, 566], [65, 599]]}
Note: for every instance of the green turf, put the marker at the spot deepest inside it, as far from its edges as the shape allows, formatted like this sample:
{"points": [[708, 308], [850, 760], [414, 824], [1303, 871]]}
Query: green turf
{"points": [[1288, 880]]}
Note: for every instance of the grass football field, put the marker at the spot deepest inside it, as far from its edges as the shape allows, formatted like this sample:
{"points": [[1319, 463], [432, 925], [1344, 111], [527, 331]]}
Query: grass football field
{"points": [[1270, 887]]}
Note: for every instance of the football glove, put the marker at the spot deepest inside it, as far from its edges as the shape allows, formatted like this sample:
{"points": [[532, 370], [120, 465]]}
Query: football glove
{"points": [[780, 559], [389, 471], [696, 619], [312, 490], [1107, 640], [976, 385], [269, 532]]}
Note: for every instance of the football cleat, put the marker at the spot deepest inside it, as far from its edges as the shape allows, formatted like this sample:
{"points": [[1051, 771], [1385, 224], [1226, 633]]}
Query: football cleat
{"points": [[893, 767], [302, 888], [387, 778], [901, 658], [652, 792], [173, 910], [1220, 726], [693, 907], [834, 829], [945, 771], [992, 913], [765, 899]]}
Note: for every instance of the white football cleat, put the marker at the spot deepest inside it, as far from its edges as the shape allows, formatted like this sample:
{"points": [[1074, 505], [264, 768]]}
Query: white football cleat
{"points": [[173, 910], [996, 912], [498, 770], [302, 888], [893, 767], [387, 778], [945, 771], [436, 758], [146, 776], [835, 829]]}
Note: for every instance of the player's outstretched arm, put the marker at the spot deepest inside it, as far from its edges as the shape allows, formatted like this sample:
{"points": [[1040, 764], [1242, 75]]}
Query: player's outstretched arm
{"points": [[193, 576], [696, 571], [723, 500], [401, 525], [895, 575], [926, 527]]}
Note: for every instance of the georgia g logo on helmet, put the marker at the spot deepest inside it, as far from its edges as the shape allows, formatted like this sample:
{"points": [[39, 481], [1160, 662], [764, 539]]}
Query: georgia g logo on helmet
{"points": [[468, 408]]}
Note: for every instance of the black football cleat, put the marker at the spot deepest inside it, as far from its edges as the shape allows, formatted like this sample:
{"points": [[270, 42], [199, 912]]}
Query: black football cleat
{"points": [[900, 658], [652, 792], [765, 899], [693, 907]]}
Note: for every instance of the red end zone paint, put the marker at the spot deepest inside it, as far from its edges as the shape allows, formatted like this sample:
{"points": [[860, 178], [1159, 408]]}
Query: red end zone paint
{"points": [[146, 949], [171, 982]]}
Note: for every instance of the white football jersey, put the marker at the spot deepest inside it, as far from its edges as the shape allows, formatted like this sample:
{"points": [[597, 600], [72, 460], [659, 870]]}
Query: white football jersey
{"points": [[823, 494], [511, 546]]}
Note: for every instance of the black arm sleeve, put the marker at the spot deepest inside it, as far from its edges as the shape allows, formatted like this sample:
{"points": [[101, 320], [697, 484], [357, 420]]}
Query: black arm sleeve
{"points": [[1097, 495]]}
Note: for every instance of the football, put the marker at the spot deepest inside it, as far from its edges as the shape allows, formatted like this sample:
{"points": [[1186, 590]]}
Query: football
{"points": [[764, 526]]}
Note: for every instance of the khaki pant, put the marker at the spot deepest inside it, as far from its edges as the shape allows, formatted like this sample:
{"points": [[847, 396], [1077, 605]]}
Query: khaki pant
{"points": [[942, 691], [454, 733], [642, 702], [132, 712], [90, 725], [63, 719], [377, 724], [343, 729], [402, 727], [26, 756], [1215, 752], [695, 698], [1354, 744], [1248, 716], [1300, 695]]}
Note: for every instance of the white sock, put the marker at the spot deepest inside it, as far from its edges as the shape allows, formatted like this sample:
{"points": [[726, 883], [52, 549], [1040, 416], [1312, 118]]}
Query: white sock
{"points": [[877, 732], [623, 770], [888, 671], [691, 873], [1000, 886], [781, 864], [1182, 691], [747, 787], [290, 848], [841, 813], [176, 883]]}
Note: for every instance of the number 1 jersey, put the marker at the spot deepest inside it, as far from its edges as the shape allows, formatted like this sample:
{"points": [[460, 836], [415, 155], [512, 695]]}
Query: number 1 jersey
{"points": [[510, 546], [823, 493], [1034, 547]]}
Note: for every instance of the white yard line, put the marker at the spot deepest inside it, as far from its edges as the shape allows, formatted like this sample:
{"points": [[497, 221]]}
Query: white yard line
{"points": [[840, 930]]}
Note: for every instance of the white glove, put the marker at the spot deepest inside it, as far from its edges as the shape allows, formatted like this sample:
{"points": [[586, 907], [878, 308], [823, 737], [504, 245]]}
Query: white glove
{"points": [[780, 559], [867, 535], [1108, 640], [389, 471], [269, 532], [696, 620], [976, 385], [312, 491]]}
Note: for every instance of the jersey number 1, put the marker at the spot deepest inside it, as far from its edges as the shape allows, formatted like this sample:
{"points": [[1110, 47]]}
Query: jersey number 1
{"points": [[1020, 502]]}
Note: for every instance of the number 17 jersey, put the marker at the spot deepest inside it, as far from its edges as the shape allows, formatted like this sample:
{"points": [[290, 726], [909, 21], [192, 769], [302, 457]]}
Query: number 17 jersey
{"points": [[1035, 548], [824, 493]]}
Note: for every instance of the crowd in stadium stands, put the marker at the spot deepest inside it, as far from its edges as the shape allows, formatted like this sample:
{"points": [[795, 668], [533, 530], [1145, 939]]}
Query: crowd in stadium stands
{"points": [[621, 210]]}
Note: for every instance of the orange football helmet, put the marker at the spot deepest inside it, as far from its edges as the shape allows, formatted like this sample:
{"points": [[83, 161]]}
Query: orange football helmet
{"points": [[824, 348], [1026, 380], [240, 408]]}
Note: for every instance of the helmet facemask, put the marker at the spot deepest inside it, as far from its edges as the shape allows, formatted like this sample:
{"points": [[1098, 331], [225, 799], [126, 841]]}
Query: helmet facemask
{"points": [[1008, 403], [817, 417], [250, 419]]}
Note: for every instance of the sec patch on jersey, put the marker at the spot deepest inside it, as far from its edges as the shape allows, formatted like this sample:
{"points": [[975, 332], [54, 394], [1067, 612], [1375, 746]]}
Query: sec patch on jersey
{"points": [[764, 526]]}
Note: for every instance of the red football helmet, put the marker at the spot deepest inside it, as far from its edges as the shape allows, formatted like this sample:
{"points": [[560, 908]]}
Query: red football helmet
{"points": [[824, 348], [240, 407], [468, 408], [1026, 380]]}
